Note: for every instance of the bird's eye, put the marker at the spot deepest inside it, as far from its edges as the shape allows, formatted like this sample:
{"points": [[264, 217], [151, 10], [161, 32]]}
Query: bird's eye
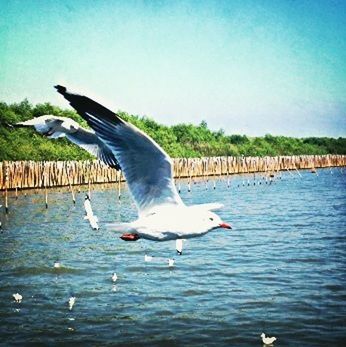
{"points": [[211, 218]]}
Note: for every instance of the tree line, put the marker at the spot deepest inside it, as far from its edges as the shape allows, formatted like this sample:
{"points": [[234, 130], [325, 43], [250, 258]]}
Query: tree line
{"points": [[181, 140]]}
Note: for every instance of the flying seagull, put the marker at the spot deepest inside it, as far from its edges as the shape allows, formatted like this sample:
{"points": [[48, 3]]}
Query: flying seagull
{"points": [[54, 127], [89, 214], [162, 215]]}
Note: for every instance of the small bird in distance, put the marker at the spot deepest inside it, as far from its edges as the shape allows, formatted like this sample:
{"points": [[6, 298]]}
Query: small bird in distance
{"points": [[268, 341]]}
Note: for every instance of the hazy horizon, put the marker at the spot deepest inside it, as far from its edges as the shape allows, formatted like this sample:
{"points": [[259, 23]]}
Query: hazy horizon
{"points": [[248, 67]]}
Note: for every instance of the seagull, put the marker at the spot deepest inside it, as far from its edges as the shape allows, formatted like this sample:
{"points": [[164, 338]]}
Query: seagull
{"points": [[179, 246], [114, 277], [147, 168], [71, 302], [55, 127], [267, 340], [170, 262], [57, 265], [17, 297], [90, 214], [148, 258]]}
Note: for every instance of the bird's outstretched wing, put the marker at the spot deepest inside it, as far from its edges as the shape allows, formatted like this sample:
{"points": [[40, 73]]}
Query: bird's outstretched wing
{"points": [[55, 127], [212, 206], [146, 166]]}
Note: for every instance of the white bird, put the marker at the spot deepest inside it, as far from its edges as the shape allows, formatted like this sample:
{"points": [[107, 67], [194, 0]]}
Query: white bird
{"points": [[17, 297], [54, 127], [57, 265], [179, 246], [170, 262], [90, 214], [267, 340], [71, 302], [148, 258], [114, 277], [162, 215]]}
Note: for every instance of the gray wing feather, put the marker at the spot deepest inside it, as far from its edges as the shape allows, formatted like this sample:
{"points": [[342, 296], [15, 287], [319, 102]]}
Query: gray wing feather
{"points": [[147, 168], [92, 144]]}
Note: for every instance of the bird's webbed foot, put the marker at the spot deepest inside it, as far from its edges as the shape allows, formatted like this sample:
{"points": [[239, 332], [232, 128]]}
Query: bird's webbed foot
{"points": [[130, 237]]}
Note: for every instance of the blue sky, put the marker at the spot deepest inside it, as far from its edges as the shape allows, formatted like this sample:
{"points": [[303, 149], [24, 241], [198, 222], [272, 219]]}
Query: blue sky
{"points": [[249, 67]]}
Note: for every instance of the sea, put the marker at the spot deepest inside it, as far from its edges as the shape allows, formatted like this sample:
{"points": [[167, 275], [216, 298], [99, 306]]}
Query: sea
{"points": [[281, 270]]}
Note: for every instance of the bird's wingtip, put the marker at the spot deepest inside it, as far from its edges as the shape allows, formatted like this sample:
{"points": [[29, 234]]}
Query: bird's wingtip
{"points": [[60, 89]]}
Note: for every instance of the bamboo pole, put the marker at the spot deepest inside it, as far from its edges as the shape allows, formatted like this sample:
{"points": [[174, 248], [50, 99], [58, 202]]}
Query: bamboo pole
{"points": [[190, 177], [6, 201], [45, 189], [119, 185], [297, 170], [70, 185], [214, 173], [28, 174], [6, 187], [206, 176]]}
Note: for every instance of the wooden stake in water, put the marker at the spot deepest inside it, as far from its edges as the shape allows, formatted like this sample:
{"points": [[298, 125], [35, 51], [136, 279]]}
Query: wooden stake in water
{"points": [[190, 178], [6, 195], [248, 172], [70, 186], [206, 177], [45, 189], [297, 170], [265, 172], [289, 171], [189, 182], [46, 194], [89, 182], [179, 186], [220, 173], [179, 175], [119, 185], [6, 201], [277, 172]]}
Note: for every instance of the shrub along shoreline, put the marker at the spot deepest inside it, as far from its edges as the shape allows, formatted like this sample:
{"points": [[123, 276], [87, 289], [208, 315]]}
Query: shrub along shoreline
{"points": [[179, 141]]}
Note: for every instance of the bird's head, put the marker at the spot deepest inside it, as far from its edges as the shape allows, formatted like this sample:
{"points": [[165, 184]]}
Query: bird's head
{"points": [[215, 222], [263, 335]]}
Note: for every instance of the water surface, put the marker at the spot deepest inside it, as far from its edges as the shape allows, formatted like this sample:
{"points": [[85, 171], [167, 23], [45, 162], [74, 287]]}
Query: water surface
{"points": [[281, 270]]}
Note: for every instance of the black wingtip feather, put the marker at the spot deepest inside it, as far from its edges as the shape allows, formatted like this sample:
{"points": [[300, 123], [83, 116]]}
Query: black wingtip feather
{"points": [[60, 89], [84, 105]]}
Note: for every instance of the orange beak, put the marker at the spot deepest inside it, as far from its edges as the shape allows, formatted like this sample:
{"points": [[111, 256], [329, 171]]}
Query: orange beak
{"points": [[225, 226]]}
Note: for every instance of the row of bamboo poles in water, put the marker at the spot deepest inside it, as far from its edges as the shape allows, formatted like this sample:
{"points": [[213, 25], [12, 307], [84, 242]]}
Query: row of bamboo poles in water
{"points": [[46, 174]]}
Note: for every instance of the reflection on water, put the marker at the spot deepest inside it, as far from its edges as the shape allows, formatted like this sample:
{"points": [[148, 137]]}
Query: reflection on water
{"points": [[281, 270]]}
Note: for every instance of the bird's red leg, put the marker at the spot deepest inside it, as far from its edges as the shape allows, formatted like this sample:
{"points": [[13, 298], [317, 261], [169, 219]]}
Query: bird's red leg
{"points": [[130, 237]]}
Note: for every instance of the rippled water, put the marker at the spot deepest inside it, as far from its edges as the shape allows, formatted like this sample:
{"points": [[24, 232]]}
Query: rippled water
{"points": [[281, 270]]}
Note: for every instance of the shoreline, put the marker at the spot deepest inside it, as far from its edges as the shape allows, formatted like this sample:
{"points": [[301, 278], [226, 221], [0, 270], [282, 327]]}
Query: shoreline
{"points": [[49, 174]]}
